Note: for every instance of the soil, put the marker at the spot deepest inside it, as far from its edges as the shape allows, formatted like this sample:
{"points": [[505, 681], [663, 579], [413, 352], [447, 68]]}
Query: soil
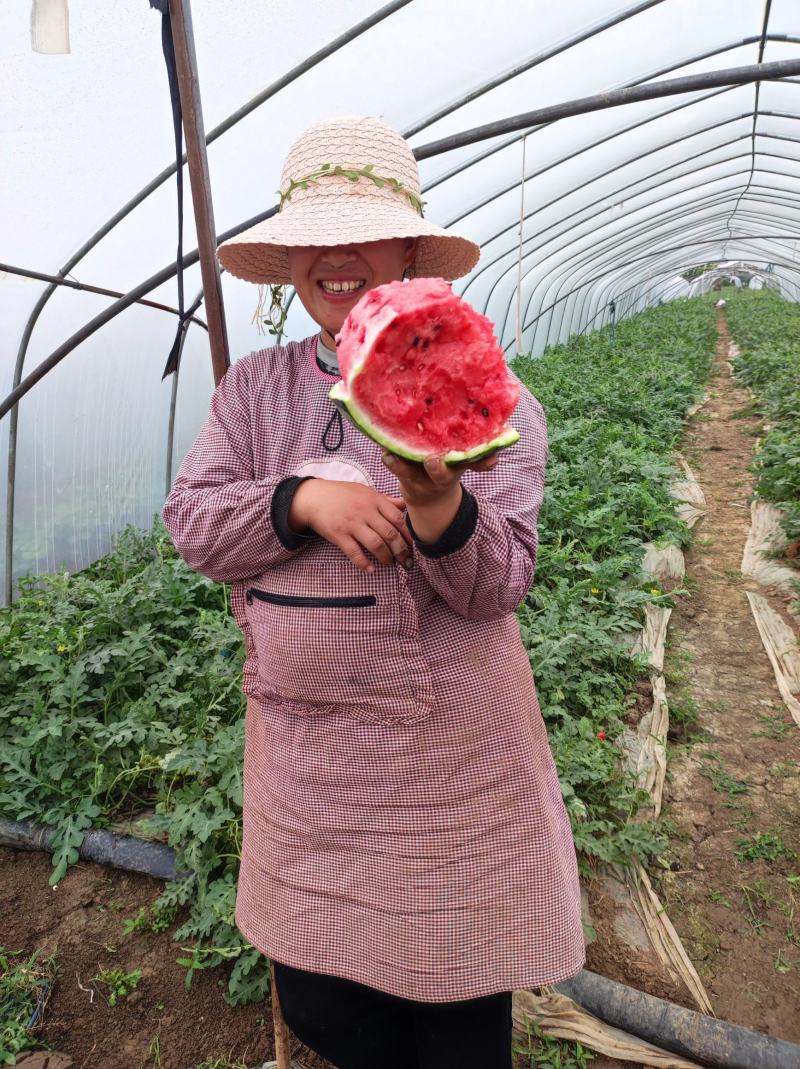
{"points": [[160, 1025], [735, 772], [734, 764]]}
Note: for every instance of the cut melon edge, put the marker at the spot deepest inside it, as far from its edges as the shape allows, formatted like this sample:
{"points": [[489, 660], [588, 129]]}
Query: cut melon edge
{"points": [[348, 407]]}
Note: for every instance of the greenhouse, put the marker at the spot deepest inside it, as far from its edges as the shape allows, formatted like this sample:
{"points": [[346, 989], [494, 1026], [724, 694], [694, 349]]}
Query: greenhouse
{"points": [[628, 176]]}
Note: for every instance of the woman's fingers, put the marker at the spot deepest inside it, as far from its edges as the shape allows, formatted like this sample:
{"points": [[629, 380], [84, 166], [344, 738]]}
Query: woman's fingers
{"points": [[353, 551], [397, 518], [394, 540], [441, 474], [372, 540], [486, 463], [407, 471]]}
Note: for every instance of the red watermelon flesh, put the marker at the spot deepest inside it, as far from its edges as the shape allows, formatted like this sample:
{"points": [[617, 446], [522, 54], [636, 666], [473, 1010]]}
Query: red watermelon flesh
{"points": [[423, 375]]}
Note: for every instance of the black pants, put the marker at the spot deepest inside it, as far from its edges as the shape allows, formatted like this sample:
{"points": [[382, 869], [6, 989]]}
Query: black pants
{"points": [[355, 1027]]}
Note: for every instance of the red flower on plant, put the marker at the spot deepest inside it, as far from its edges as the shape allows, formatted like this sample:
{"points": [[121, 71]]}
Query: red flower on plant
{"points": [[602, 735]]}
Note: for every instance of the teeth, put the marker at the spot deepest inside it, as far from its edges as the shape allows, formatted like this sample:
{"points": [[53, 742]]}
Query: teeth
{"points": [[341, 287]]}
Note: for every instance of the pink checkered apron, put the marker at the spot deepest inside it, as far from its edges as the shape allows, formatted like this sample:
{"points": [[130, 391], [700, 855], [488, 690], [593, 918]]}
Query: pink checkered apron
{"points": [[403, 822]]}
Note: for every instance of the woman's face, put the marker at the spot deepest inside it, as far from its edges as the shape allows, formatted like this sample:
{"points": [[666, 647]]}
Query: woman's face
{"points": [[329, 281]]}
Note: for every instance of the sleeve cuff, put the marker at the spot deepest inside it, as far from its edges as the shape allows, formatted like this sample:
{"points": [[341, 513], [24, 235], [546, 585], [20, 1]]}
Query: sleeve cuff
{"points": [[279, 514], [457, 534]]}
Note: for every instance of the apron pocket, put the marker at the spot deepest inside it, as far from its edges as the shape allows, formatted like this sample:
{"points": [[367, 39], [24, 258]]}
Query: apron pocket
{"points": [[299, 601], [338, 653]]}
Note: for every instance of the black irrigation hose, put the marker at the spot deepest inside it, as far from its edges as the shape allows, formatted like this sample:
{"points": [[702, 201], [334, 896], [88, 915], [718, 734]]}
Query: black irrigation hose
{"points": [[694, 1035], [102, 846]]}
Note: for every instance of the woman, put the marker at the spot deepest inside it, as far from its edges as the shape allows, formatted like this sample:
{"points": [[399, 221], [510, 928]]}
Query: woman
{"points": [[407, 858]]}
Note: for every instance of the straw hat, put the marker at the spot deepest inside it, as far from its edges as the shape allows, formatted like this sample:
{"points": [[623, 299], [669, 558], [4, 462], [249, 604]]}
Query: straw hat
{"points": [[378, 197]]}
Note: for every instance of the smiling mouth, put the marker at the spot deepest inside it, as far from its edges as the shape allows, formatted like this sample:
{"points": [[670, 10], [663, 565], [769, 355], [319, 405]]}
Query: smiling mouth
{"points": [[341, 287]]}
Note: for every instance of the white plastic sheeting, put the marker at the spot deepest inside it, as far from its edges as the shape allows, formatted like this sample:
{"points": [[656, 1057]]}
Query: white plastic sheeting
{"points": [[618, 203], [735, 273]]}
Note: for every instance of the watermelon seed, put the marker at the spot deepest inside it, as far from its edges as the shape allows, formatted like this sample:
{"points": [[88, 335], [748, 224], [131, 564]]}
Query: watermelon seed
{"points": [[484, 411], [426, 343], [415, 342], [428, 400]]}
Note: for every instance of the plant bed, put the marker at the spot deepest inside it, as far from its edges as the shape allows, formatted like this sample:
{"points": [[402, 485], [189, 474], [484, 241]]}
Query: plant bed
{"points": [[729, 876], [126, 677], [157, 1022], [766, 329]]}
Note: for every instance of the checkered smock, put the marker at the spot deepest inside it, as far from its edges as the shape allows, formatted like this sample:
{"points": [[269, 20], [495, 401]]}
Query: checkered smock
{"points": [[403, 822]]}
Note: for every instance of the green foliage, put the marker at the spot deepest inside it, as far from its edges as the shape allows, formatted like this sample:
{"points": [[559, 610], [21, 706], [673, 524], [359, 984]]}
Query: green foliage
{"points": [[120, 686], [536, 1050], [766, 845], [119, 983], [773, 728], [24, 990], [352, 174], [700, 269], [767, 328], [721, 780], [615, 412], [120, 689], [720, 899]]}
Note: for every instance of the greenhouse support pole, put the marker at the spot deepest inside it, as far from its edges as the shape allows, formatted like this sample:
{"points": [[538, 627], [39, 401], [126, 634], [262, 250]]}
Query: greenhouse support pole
{"points": [[612, 98], [194, 133], [519, 255], [732, 76]]}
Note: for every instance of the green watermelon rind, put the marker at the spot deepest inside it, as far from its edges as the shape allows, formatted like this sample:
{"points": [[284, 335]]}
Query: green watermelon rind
{"points": [[348, 407]]}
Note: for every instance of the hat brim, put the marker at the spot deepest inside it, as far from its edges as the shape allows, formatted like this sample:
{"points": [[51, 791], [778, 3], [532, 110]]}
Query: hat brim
{"points": [[260, 253]]}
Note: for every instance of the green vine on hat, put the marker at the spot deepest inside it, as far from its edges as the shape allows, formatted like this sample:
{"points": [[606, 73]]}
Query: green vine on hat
{"points": [[275, 319], [353, 174]]}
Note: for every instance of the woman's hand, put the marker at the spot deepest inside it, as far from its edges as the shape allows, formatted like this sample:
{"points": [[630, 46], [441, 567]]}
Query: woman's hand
{"points": [[355, 518], [432, 490]]}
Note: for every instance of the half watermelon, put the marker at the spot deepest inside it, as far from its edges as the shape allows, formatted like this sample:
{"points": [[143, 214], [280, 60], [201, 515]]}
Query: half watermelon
{"points": [[422, 374]]}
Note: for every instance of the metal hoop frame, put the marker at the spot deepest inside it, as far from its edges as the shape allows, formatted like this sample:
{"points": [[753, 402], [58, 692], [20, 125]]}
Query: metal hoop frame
{"points": [[749, 203]]}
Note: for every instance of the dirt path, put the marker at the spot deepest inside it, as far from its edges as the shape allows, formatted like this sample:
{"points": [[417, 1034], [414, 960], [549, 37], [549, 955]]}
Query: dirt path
{"points": [[733, 792]]}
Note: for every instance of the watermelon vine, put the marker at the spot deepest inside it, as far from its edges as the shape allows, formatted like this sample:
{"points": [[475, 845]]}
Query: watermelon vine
{"points": [[120, 685]]}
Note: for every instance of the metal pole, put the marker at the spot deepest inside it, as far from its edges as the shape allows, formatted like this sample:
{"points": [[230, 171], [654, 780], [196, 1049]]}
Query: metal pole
{"points": [[173, 400], [70, 283], [613, 98], [191, 107], [180, 13], [738, 238], [535, 61], [519, 255], [732, 76]]}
